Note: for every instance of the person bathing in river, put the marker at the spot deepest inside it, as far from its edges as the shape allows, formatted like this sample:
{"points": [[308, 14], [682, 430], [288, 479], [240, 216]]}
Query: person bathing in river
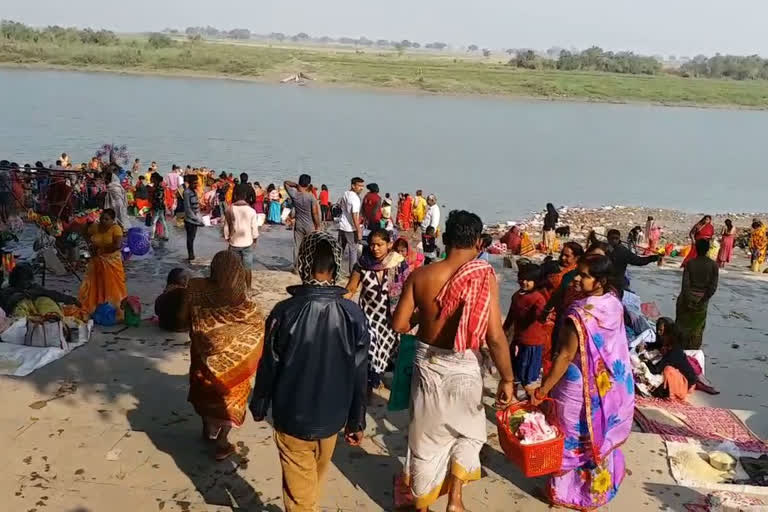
{"points": [[169, 304], [457, 300]]}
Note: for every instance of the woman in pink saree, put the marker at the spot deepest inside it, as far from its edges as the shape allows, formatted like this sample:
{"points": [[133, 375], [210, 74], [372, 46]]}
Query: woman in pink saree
{"points": [[593, 390], [728, 236]]}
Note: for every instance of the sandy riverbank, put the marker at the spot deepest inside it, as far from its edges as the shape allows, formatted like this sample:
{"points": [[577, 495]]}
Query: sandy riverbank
{"points": [[121, 436]]}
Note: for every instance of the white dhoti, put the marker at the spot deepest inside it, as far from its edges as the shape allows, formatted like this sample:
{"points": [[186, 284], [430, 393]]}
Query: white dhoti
{"points": [[448, 424]]}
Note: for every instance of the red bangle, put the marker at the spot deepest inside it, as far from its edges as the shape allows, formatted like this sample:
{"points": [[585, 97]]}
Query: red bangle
{"points": [[538, 396]]}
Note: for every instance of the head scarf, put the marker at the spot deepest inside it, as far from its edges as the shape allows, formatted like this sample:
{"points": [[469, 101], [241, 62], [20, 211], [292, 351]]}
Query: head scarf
{"points": [[391, 260], [225, 287], [306, 260]]}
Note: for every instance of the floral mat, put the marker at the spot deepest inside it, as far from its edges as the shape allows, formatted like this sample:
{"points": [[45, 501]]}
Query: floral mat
{"points": [[690, 422]]}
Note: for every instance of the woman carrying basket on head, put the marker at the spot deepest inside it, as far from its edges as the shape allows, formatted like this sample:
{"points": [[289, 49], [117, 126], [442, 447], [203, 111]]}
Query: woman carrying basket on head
{"points": [[593, 390]]}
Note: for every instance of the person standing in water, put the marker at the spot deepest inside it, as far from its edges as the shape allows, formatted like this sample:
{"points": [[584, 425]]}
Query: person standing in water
{"points": [[457, 300]]}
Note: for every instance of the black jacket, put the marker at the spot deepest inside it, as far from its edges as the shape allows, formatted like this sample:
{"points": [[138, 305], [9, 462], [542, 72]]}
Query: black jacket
{"points": [[621, 257], [315, 364]]}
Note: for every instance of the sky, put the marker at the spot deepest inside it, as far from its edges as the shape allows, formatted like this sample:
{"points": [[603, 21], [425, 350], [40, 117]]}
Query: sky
{"points": [[668, 27]]}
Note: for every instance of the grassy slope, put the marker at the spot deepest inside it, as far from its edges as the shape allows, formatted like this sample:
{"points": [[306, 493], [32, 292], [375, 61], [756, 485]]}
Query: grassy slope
{"points": [[387, 69]]}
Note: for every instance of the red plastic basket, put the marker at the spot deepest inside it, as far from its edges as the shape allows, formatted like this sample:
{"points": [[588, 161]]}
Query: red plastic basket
{"points": [[533, 459]]}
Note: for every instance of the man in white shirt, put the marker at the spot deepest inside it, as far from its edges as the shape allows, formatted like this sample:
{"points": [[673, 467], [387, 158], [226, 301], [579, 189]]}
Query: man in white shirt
{"points": [[350, 229], [432, 218]]}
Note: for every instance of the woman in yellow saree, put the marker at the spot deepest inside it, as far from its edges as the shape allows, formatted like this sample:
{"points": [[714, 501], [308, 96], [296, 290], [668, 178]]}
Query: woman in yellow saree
{"points": [[105, 277], [227, 333], [758, 243]]}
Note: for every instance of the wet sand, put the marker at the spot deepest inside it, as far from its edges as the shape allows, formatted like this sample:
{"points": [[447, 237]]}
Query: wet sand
{"points": [[115, 431]]}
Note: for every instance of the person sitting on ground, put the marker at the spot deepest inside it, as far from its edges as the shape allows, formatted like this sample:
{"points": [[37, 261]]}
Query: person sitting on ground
{"points": [[621, 256], [513, 240], [316, 345], [168, 304], [23, 297], [429, 245], [141, 195], [524, 326], [679, 376]]}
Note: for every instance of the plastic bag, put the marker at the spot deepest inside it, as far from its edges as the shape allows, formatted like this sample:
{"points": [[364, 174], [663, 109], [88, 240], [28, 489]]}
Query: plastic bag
{"points": [[105, 314], [131, 307], [400, 395]]}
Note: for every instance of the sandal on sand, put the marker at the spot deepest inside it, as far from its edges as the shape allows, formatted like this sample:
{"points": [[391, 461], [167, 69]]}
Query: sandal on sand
{"points": [[223, 454]]}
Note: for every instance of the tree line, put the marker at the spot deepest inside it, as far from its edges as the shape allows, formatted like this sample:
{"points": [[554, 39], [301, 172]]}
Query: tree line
{"points": [[15, 31], [734, 67]]}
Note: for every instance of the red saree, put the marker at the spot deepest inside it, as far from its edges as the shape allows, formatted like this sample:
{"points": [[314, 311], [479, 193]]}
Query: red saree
{"points": [[707, 232], [405, 214]]}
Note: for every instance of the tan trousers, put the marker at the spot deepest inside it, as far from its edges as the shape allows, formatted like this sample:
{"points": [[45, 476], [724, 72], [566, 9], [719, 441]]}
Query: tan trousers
{"points": [[549, 240], [304, 465]]}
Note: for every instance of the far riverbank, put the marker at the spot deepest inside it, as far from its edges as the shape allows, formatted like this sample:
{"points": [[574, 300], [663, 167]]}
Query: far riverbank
{"points": [[387, 71]]}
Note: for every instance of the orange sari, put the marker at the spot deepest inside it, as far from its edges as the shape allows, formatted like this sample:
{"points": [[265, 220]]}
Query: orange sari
{"points": [[105, 278], [227, 333]]}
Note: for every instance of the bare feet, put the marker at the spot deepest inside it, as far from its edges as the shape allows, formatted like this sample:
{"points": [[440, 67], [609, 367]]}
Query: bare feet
{"points": [[224, 451]]}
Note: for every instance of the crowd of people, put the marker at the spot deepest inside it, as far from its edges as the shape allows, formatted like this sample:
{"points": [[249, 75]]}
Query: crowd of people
{"points": [[320, 355]]}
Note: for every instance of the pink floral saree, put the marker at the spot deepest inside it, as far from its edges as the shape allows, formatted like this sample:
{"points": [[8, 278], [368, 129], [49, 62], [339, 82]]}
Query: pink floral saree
{"points": [[594, 402]]}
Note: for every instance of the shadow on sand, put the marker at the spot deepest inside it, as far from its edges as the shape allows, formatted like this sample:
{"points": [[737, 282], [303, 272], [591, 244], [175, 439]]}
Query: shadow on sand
{"points": [[163, 414]]}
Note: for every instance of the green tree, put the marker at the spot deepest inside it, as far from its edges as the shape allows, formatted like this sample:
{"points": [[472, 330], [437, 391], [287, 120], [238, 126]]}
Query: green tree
{"points": [[157, 41]]}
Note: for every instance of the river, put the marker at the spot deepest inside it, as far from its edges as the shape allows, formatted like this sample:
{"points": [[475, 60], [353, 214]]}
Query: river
{"points": [[499, 157]]}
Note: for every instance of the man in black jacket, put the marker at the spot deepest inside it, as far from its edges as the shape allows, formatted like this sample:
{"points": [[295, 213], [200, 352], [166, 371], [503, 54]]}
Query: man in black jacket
{"points": [[621, 257], [313, 372]]}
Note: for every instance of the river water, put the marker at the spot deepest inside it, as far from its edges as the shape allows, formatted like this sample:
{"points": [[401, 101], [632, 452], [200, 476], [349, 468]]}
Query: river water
{"points": [[499, 157]]}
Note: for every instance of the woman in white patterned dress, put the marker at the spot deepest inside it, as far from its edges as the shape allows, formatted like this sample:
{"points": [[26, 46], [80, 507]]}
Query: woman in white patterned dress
{"points": [[380, 274]]}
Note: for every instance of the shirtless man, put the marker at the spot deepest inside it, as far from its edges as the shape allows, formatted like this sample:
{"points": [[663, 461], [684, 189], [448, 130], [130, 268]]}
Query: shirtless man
{"points": [[447, 427]]}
